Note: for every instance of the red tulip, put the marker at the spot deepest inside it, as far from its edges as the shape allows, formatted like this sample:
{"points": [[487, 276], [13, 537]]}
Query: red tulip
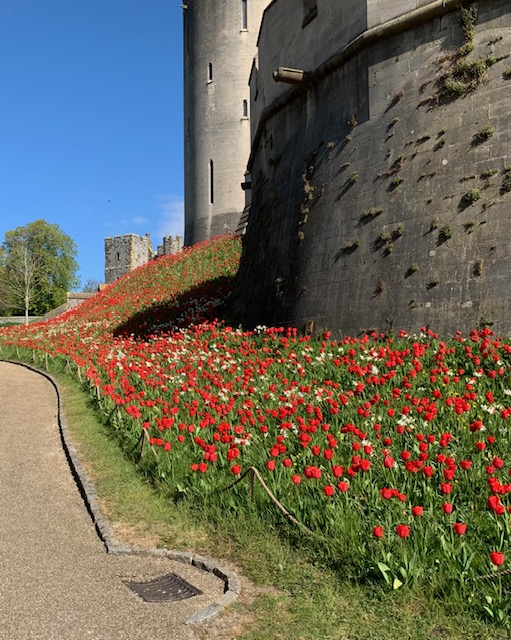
{"points": [[402, 530], [378, 532], [497, 558]]}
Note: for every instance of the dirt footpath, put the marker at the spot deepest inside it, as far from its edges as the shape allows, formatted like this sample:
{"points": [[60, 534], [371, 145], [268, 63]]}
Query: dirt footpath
{"points": [[56, 580]]}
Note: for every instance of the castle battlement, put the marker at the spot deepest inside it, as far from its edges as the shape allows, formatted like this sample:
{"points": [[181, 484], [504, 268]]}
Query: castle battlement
{"points": [[170, 245], [126, 252]]}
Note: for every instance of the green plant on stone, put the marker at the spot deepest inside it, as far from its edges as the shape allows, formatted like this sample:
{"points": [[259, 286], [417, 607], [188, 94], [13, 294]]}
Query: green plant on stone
{"points": [[370, 214], [453, 88], [446, 232], [351, 244], [468, 19], [395, 182], [398, 231], [485, 133], [506, 183], [354, 177], [472, 196], [384, 235], [466, 75]]}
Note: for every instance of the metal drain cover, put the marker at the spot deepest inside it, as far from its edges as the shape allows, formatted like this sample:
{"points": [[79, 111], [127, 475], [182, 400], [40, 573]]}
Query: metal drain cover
{"points": [[167, 588]]}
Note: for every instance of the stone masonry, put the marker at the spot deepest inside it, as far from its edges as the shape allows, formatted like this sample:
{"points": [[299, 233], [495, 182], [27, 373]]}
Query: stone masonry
{"points": [[381, 185], [171, 244], [125, 253], [219, 47]]}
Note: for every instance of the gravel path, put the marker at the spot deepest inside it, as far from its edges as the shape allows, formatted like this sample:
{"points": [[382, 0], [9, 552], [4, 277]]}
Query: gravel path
{"points": [[56, 580]]}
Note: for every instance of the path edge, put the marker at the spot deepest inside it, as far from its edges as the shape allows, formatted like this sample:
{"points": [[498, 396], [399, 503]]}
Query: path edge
{"points": [[232, 583]]}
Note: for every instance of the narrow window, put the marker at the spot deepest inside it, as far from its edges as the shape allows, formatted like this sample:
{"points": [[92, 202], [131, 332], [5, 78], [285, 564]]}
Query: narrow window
{"points": [[310, 11], [210, 72], [245, 108], [211, 182], [188, 128], [244, 15], [118, 257]]}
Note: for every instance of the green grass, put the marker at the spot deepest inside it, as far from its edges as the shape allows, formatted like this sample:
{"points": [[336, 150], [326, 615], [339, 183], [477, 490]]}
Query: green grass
{"points": [[139, 514], [291, 597]]}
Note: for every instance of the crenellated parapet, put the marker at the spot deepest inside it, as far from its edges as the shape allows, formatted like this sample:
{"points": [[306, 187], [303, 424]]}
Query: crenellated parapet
{"points": [[170, 245]]}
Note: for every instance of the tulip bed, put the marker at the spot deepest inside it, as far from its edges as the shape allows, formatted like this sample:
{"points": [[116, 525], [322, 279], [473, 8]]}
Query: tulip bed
{"points": [[393, 453]]}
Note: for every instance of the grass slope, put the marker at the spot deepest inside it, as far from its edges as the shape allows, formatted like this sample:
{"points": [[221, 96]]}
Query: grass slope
{"points": [[156, 368]]}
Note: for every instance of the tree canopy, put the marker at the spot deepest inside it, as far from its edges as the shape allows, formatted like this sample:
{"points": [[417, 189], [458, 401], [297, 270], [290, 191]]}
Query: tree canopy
{"points": [[37, 268]]}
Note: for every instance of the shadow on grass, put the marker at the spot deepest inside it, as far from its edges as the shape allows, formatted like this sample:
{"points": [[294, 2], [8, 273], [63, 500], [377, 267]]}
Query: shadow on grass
{"points": [[202, 303]]}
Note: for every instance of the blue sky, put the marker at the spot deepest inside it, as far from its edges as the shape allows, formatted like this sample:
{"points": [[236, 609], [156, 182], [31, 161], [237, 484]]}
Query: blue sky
{"points": [[91, 120]]}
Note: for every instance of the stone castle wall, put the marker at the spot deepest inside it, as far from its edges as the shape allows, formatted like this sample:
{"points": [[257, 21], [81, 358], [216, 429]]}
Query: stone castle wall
{"points": [[125, 253], [171, 244], [379, 200]]}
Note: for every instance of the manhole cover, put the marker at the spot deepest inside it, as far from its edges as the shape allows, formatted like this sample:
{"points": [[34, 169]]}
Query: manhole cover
{"points": [[168, 588]]}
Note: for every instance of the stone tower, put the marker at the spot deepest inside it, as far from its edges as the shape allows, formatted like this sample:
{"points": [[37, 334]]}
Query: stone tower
{"points": [[220, 39], [125, 253]]}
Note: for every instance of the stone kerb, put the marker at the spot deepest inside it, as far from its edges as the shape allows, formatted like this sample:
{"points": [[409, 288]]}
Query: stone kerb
{"points": [[232, 583]]}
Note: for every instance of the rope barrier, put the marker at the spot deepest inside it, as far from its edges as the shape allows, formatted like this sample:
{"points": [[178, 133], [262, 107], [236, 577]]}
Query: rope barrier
{"points": [[254, 473], [498, 574]]}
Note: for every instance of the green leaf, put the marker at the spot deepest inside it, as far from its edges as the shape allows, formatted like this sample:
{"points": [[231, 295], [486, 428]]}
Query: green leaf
{"points": [[385, 570], [397, 583]]}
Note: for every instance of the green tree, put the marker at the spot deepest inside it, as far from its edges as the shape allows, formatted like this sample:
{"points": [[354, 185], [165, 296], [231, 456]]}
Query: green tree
{"points": [[4, 306], [38, 267]]}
